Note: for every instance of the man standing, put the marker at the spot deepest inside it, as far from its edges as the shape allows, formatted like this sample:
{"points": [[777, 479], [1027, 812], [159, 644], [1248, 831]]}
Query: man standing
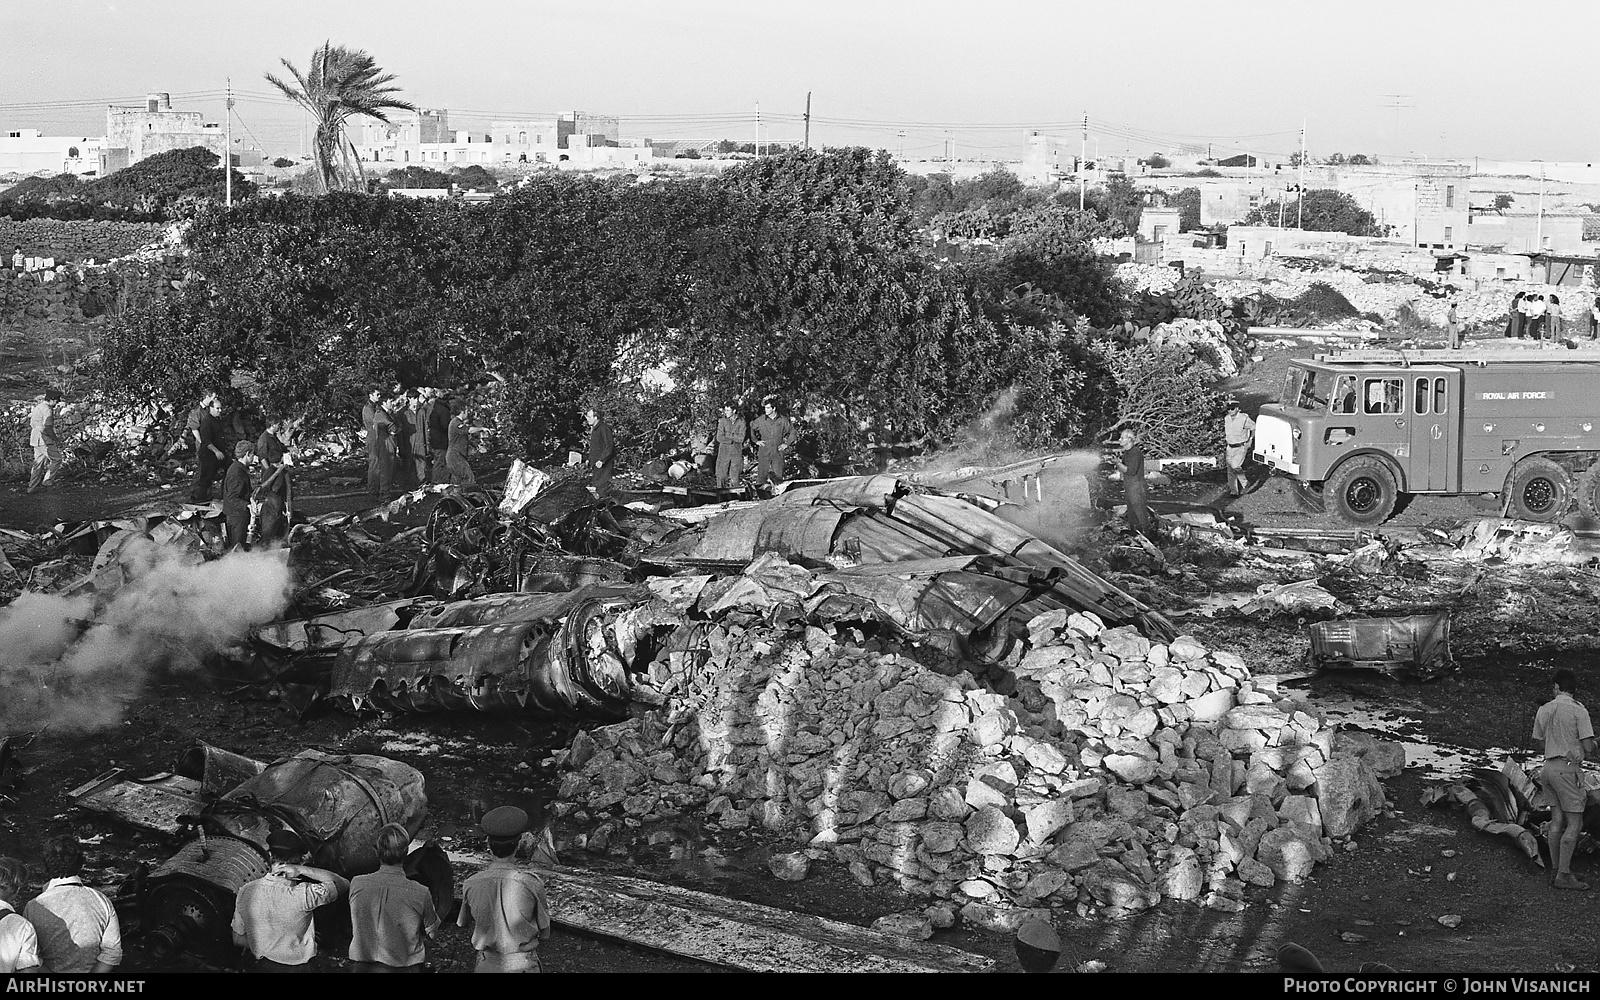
{"points": [[272, 916], [275, 491], [731, 432], [391, 916], [439, 436], [504, 904], [46, 446], [1563, 725], [402, 416], [420, 454], [1238, 430], [601, 456], [774, 434], [19, 944], [236, 497], [1452, 327], [380, 446], [76, 926], [1133, 487], [17, 259], [459, 447], [209, 455]]}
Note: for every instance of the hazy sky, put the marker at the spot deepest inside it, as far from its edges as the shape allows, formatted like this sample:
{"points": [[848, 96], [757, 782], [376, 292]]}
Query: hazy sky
{"points": [[1239, 73]]}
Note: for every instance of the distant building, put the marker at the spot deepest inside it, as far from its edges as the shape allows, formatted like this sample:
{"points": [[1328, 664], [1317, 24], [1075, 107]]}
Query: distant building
{"points": [[139, 131], [576, 139], [1157, 224], [1525, 232], [28, 151]]}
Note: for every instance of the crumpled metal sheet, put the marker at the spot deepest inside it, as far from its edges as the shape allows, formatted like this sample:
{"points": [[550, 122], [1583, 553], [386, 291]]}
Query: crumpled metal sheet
{"points": [[498, 608], [1302, 598], [323, 632], [570, 664], [1414, 646], [878, 519]]}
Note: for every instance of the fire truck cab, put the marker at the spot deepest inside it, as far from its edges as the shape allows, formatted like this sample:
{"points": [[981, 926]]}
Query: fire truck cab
{"points": [[1370, 426]]}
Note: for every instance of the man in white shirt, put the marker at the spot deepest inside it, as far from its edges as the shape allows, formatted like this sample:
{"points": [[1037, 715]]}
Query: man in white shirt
{"points": [[76, 925], [272, 916], [19, 945], [46, 446], [1562, 725]]}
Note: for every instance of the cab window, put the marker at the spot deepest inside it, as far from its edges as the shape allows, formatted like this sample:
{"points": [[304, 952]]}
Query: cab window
{"points": [[1344, 394], [1423, 395], [1384, 395], [1439, 397]]}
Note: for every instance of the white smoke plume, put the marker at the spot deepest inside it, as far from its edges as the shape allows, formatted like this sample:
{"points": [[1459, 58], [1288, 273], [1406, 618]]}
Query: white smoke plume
{"points": [[73, 663]]}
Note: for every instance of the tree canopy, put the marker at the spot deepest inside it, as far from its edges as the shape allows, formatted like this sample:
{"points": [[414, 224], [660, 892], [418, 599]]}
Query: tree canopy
{"points": [[340, 84], [1326, 211], [156, 189]]}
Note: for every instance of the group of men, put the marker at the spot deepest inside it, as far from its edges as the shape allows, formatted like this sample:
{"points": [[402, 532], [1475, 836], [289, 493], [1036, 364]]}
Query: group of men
{"points": [[1239, 430], [67, 928], [256, 485], [773, 435], [392, 916], [416, 437], [1534, 317]]}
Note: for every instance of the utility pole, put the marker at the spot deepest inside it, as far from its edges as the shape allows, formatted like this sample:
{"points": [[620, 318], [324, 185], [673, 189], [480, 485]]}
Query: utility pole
{"points": [[758, 128], [1083, 150], [901, 153], [227, 154], [1539, 225], [808, 119], [1300, 202]]}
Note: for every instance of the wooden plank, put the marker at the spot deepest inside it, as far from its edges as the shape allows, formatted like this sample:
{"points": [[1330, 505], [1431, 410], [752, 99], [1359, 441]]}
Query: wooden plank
{"points": [[730, 932]]}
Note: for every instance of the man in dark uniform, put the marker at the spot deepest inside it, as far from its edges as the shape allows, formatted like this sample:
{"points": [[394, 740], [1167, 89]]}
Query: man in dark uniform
{"points": [[731, 432], [1133, 486], [236, 496], [401, 417], [439, 436], [601, 457], [209, 454], [380, 446], [275, 491]]}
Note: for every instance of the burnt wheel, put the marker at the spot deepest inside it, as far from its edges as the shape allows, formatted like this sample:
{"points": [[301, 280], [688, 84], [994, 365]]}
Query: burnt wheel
{"points": [[1363, 490], [1540, 490]]}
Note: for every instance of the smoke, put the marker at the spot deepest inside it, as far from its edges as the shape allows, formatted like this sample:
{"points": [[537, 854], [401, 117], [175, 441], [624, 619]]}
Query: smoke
{"points": [[73, 663]]}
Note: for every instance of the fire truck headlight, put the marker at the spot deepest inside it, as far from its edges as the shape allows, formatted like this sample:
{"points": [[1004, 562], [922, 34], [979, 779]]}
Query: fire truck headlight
{"points": [[1539, 428], [1488, 428], [1587, 427]]}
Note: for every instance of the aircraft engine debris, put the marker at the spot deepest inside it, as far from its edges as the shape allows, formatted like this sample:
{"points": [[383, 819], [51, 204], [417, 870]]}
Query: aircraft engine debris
{"points": [[1415, 647], [332, 804]]}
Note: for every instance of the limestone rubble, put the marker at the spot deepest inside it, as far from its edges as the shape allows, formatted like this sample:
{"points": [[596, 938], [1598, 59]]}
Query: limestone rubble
{"points": [[1092, 768]]}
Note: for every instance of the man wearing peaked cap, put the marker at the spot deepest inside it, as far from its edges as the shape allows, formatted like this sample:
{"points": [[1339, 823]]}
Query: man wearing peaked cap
{"points": [[1239, 430], [504, 904]]}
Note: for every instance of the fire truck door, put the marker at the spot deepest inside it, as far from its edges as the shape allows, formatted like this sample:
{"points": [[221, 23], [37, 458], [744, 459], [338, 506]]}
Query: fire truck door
{"points": [[1433, 406]]}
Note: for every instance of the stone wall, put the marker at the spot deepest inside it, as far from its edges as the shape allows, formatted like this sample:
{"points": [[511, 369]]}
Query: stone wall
{"points": [[76, 240]]}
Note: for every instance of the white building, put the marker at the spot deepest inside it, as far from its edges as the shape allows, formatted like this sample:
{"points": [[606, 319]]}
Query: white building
{"points": [[28, 151]]}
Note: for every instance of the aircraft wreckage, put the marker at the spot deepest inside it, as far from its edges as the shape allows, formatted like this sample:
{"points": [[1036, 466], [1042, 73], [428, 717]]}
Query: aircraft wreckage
{"points": [[939, 569]]}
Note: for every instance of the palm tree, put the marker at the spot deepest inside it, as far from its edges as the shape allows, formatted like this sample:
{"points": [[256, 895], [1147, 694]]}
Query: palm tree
{"points": [[340, 84]]}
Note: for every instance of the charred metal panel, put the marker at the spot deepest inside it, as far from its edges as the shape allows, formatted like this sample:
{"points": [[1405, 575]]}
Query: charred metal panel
{"points": [[1416, 645], [570, 664]]}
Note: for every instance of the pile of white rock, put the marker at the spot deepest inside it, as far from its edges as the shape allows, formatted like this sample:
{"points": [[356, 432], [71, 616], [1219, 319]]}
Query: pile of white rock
{"points": [[1098, 770]]}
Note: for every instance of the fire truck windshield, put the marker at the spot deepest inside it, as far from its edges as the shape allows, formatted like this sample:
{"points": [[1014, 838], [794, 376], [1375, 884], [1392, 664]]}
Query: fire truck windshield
{"points": [[1306, 389]]}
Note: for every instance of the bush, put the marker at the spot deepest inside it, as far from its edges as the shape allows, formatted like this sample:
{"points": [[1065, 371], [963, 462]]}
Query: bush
{"points": [[1168, 397], [1155, 161], [159, 188]]}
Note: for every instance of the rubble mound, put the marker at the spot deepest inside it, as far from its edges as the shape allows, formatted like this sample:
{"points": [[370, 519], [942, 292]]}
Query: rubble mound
{"points": [[1096, 767]]}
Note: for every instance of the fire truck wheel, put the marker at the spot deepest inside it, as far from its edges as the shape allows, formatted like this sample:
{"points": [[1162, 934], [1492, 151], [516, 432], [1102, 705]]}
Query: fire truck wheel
{"points": [[1363, 490], [1541, 490]]}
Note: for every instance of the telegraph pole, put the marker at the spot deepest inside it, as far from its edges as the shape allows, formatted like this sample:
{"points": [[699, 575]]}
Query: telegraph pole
{"points": [[758, 128], [1300, 202], [1083, 149], [808, 119], [1539, 225], [227, 154]]}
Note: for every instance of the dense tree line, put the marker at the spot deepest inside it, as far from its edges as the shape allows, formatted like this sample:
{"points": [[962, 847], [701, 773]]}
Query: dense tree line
{"points": [[807, 275], [158, 188]]}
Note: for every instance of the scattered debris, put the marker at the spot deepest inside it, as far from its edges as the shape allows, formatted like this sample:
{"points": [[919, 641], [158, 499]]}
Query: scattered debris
{"points": [[1414, 647]]}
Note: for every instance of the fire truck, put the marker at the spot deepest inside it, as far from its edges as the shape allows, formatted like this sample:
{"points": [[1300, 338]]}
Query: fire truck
{"points": [[1367, 427]]}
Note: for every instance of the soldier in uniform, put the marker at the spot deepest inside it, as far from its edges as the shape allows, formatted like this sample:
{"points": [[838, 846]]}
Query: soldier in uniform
{"points": [[731, 432], [504, 904]]}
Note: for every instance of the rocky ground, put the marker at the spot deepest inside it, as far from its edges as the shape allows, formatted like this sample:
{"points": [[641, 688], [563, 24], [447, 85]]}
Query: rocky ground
{"points": [[1417, 888]]}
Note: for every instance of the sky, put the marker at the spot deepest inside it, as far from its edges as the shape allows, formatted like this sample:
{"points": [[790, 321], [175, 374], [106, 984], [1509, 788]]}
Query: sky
{"points": [[1396, 78]]}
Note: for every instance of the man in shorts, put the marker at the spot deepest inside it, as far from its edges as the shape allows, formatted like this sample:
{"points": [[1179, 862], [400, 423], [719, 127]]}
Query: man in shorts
{"points": [[1563, 725]]}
